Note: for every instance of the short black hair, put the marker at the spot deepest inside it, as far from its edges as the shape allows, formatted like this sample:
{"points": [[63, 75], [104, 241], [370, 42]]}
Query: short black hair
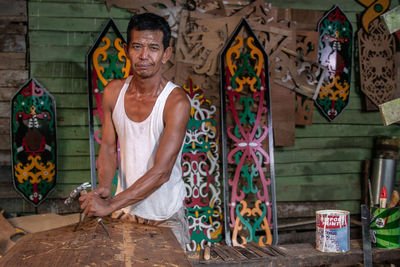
{"points": [[152, 22]]}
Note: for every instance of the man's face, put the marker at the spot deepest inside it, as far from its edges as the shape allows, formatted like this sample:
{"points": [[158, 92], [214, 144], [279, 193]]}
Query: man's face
{"points": [[146, 52]]}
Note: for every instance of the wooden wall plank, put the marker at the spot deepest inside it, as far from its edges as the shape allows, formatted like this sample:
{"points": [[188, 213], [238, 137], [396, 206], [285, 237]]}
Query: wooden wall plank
{"points": [[340, 130], [64, 85], [12, 60], [15, 8], [77, 10], [13, 78], [73, 24]]}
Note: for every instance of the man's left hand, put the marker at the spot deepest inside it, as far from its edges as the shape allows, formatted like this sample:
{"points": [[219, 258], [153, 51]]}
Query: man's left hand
{"points": [[94, 206]]}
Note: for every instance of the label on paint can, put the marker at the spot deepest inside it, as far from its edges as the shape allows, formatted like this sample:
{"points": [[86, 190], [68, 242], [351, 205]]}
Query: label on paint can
{"points": [[333, 230]]}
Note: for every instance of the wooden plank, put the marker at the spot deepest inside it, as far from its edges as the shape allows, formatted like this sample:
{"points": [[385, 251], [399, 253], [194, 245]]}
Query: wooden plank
{"points": [[13, 78], [329, 142], [12, 60], [72, 101], [58, 69], [72, 132], [319, 192], [73, 176], [255, 249], [306, 155], [7, 92], [346, 6], [352, 117], [15, 8], [294, 209], [12, 43], [5, 109], [10, 25], [247, 253], [5, 126], [78, 10], [6, 231], [130, 245], [73, 24], [75, 54], [339, 130], [73, 163], [63, 85], [221, 253], [5, 141], [74, 148], [43, 222], [57, 38], [317, 168]]}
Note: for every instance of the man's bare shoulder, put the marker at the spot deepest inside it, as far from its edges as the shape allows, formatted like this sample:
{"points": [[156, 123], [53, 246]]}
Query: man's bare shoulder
{"points": [[178, 96], [111, 92], [178, 102]]}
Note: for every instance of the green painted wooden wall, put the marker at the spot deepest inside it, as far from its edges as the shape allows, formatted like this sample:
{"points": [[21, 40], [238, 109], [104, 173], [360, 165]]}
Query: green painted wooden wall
{"points": [[323, 169]]}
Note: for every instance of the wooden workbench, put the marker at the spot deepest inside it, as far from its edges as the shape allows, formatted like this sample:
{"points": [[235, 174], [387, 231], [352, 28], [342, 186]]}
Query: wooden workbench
{"points": [[295, 255], [130, 245]]}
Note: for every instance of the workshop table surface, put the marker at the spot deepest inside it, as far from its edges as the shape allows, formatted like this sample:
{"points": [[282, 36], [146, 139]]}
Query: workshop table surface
{"points": [[130, 245]]}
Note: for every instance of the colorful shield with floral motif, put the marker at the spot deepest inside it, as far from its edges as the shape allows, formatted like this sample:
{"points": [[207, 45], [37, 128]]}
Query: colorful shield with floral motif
{"points": [[247, 141], [33, 141], [335, 53]]}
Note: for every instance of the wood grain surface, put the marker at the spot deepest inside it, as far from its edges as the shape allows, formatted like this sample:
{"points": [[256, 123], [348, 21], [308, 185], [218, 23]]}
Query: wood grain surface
{"points": [[130, 245]]}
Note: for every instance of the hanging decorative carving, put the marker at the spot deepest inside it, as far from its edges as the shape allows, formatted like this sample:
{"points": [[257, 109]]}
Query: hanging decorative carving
{"points": [[374, 8], [106, 60], [246, 99], [335, 53], [201, 171], [377, 63], [34, 148], [201, 38], [302, 75]]}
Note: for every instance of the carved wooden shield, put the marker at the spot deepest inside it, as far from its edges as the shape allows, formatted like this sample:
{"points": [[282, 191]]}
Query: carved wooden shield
{"points": [[201, 173], [106, 60], [33, 141], [335, 53], [249, 176]]}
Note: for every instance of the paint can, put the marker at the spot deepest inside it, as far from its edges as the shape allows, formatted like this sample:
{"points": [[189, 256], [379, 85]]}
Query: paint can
{"points": [[385, 227], [333, 230]]}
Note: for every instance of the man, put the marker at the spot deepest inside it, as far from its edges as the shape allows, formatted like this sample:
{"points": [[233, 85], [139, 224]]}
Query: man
{"points": [[149, 116]]}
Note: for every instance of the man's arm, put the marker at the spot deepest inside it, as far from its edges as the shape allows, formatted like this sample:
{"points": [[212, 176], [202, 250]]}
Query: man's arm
{"points": [[107, 159], [176, 116]]}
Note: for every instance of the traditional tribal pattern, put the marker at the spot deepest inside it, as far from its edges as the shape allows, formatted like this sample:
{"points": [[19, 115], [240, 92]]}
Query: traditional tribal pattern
{"points": [[33, 142], [201, 171], [107, 62], [335, 53], [246, 94]]}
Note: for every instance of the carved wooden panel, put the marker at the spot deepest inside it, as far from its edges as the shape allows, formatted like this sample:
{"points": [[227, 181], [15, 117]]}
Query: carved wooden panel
{"points": [[377, 62], [248, 168], [201, 172]]}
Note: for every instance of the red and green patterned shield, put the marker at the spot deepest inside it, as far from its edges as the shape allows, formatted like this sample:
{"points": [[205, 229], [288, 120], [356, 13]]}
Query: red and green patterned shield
{"points": [[33, 141], [335, 53]]}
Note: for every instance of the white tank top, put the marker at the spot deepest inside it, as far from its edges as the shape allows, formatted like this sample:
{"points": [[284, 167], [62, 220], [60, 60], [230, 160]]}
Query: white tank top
{"points": [[138, 145]]}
